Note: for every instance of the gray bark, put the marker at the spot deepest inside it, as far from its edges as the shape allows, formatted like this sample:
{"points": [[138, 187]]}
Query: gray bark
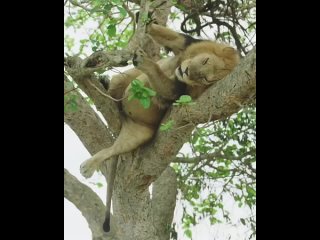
{"points": [[164, 193]]}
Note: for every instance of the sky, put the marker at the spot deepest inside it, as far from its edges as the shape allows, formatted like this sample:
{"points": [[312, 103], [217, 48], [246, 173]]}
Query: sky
{"points": [[75, 225]]}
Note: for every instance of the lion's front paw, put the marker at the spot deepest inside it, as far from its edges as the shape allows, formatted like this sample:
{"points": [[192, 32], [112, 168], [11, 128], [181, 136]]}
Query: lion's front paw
{"points": [[87, 168], [139, 57]]}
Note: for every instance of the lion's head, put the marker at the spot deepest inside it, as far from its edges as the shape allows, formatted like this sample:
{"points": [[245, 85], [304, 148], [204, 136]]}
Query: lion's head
{"points": [[206, 62]]}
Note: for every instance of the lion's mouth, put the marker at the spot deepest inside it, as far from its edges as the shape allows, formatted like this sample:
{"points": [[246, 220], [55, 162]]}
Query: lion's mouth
{"points": [[180, 71]]}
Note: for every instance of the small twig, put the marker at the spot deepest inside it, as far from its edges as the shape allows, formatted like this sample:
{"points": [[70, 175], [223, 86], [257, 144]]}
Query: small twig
{"points": [[71, 90], [106, 95], [132, 16], [186, 125], [75, 3]]}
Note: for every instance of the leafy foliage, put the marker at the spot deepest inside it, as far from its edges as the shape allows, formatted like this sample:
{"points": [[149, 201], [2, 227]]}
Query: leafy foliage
{"points": [[112, 25], [184, 100], [142, 93], [223, 165]]}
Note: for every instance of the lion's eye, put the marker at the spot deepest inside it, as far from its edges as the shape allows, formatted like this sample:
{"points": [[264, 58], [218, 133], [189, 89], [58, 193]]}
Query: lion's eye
{"points": [[205, 79], [205, 61]]}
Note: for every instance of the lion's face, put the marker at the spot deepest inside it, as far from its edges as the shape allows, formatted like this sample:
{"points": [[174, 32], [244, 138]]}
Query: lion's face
{"points": [[204, 69]]}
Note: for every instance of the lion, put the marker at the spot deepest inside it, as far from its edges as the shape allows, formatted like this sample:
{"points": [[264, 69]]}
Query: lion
{"points": [[196, 65]]}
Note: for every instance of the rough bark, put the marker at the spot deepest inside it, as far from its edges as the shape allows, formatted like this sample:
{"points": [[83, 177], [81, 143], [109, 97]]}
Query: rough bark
{"points": [[86, 123], [95, 136], [164, 191], [106, 106]]}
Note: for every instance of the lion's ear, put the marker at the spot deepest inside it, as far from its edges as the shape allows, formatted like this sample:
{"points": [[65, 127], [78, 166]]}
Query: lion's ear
{"points": [[229, 50]]}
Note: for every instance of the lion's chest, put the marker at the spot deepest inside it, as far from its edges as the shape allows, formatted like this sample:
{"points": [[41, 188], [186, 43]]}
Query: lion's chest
{"points": [[154, 113]]}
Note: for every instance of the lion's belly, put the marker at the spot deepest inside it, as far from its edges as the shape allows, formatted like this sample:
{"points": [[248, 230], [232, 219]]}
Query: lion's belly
{"points": [[150, 116]]}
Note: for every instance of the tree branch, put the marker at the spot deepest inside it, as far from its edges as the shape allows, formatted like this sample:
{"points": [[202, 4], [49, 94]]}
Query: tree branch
{"points": [[90, 129], [88, 126], [106, 106], [94, 135], [75, 3], [197, 159], [87, 201]]}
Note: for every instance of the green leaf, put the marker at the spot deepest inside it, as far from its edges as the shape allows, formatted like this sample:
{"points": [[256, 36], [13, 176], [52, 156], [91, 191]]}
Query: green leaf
{"points": [[183, 100], [213, 220], [142, 93], [84, 41], [136, 83], [122, 11], [99, 185], [112, 30], [107, 8], [151, 92], [131, 96], [188, 233], [166, 126], [146, 102], [117, 2], [242, 221], [251, 191], [69, 42], [195, 195]]}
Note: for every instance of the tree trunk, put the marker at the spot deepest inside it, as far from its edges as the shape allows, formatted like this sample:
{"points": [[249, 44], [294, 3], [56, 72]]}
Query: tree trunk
{"points": [[137, 213]]}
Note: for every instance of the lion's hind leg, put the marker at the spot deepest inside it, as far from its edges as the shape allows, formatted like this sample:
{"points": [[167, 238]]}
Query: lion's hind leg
{"points": [[132, 135]]}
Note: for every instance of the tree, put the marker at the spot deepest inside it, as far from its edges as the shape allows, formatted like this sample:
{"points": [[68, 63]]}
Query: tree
{"points": [[220, 133]]}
